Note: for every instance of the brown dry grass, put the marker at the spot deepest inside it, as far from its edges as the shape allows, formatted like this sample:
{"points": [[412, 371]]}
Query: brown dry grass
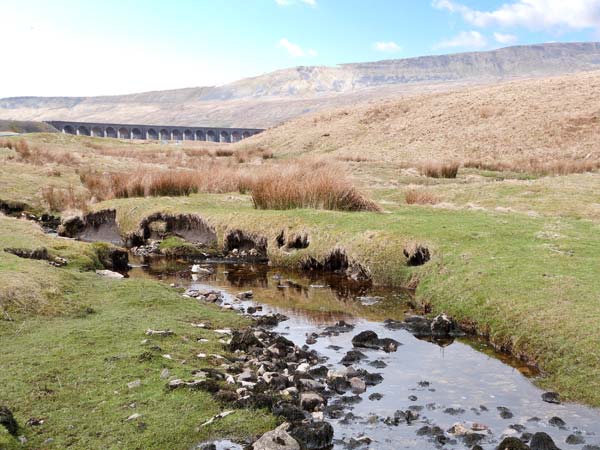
{"points": [[557, 166], [57, 199], [420, 197], [313, 185], [439, 169], [540, 118]]}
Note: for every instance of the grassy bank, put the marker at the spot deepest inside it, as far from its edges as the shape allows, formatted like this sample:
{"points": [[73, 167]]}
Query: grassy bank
{"points": [[68, 361], [530, 282]]}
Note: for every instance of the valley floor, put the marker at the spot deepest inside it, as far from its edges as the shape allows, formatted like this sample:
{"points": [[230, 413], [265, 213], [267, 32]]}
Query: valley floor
{"points": [[513, 257]]}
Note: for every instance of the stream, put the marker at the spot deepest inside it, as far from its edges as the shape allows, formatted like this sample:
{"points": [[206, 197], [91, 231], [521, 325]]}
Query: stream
{"points": [[461, 381]]}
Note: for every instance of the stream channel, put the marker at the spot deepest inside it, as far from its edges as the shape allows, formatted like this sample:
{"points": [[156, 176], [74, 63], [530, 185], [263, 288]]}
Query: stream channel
{"points": [[461, 381]]}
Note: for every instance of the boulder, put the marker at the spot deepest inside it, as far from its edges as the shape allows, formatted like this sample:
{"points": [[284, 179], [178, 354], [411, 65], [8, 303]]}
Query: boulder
{"points": [[311, 401], [313, 436], [244, 340], [278, 439], [542, 441], [512, 443], [551, 397]]}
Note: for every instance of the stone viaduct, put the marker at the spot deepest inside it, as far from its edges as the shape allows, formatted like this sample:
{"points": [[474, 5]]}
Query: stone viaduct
{"points": [[154, 132]]}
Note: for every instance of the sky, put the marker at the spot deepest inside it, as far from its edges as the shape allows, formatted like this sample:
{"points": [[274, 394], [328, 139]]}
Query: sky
{"points": [[107, 47]]}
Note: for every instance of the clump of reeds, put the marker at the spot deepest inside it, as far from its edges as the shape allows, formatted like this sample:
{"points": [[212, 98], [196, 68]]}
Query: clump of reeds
{"points": [[536, 166], [420, 197], [434, 169], [314, 185]]}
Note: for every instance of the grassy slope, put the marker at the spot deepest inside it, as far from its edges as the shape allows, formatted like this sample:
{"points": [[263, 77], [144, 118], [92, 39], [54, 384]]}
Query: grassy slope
{"points": [[71, 366], [530, 282], [544, 118]]}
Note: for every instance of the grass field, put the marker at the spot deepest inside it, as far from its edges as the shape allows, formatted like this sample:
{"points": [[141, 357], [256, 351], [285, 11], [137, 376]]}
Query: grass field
{"points": [[68, 361]]}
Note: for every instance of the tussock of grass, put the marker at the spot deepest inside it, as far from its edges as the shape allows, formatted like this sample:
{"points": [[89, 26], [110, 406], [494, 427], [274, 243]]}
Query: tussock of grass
{"points": [[440, 169], [420, 197], [308, 186]]}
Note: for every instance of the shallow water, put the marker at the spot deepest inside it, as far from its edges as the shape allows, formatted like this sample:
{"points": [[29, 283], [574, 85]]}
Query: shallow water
{"points": [[474, 383]]}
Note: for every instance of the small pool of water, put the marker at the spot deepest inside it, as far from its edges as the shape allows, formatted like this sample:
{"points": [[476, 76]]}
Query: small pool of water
{"points": [[445, 382]]}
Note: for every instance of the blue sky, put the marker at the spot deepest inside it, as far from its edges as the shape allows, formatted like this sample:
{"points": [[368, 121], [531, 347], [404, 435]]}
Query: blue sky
{"points": [[68, 47]]}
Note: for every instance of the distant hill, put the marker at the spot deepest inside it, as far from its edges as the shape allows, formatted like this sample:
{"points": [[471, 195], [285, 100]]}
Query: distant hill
{"points": [[547, 118], [24, 126], [271, 98]]}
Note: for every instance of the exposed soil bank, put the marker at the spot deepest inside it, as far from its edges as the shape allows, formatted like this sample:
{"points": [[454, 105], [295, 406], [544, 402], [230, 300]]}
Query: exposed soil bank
{"points": [[505, 275]]}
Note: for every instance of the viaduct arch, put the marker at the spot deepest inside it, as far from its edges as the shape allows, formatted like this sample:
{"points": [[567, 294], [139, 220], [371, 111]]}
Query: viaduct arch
{"points": [[154, 132]]}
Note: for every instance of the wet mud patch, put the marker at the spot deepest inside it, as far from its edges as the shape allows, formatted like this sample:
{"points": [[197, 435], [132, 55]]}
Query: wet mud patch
{"points": [[40, 253], [189, 227], [337, 261], [22, 210], [100, 226], [295, 241], [241, 243], [416, 254]]}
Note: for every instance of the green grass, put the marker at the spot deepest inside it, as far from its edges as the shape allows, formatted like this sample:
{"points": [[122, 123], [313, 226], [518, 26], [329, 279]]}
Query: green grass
{"points": [[529, 282], [69, 361]]}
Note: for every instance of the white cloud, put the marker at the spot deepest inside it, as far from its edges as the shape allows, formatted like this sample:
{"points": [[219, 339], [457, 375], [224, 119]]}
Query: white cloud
{"points": [[74, 66], [532, 14], [389, 47], [295, 50], [295, 2], [505, 38], [464, 39]]}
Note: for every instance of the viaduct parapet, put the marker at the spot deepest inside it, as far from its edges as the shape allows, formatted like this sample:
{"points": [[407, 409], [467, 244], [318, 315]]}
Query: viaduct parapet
{"points": [[154, 132]]}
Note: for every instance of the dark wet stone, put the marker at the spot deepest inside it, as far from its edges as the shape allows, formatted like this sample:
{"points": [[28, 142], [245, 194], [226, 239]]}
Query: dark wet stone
{"points": [[338, 384], [470, 439], [376, 396], [7, 420], [517, 427], [244, 340], [335, 348], [454, 411], [418, 326], [512, 443], [289, 412], [477, 447], [251, 310], [557, 422], [370, 379], [505, 413], [378, 364], [350, 399], [270, 320], [534, 419], [542, 441], [423, 384], [575, 439], [416, 408], [394, 324], [353, 356], [590, 447], [366, 339], [551, 397], [405, 417], [313, 436], [318, 372], [413, 398], [339, 327]]}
